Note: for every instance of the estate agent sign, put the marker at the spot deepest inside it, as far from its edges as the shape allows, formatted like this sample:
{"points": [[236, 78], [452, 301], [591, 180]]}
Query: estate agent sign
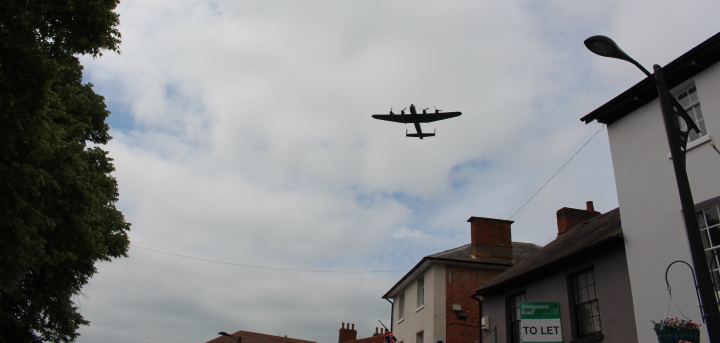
{"points": [[540, 322]]}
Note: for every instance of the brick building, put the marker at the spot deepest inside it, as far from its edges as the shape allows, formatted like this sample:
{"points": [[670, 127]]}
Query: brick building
{"points": [[432, 302]]}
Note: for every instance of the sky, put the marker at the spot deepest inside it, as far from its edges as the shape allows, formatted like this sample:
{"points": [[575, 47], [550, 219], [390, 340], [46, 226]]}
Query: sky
{"points": [[243, 135]]}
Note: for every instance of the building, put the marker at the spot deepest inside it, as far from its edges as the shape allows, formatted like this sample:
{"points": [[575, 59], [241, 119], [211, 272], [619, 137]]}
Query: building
{"points": [[652, 221], [584, 269], [254, 337], [432, 302]]}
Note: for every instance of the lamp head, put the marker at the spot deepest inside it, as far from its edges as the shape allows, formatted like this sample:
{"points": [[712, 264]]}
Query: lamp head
{"points": [[606, 47]]}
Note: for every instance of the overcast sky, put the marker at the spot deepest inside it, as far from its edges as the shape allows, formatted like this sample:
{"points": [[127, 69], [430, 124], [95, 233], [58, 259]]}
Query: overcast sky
{"points": [[243, 134]]}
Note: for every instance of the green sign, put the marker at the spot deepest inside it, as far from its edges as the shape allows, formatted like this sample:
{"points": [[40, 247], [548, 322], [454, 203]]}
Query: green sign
{"points": [[540, 322]]}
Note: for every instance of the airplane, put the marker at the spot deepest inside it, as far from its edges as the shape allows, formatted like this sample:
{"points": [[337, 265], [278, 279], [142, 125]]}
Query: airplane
{"points": [[416, 119]]}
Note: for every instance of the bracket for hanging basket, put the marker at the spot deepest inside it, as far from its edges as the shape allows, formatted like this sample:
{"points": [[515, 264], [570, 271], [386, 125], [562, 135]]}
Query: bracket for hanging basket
{"points": [[697, 292]]}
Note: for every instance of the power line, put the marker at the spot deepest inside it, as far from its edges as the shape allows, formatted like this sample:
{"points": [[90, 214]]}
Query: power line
{"points": [[561, 168], [261, 267]]}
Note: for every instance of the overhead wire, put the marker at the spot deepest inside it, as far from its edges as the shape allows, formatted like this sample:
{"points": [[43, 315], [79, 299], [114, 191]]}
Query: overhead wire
{"points": [[561, 168], [272, 268], [365, 271]]}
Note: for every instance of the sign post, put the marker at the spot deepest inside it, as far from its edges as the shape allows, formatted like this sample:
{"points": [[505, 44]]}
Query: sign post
{"points": [[540, 322]]}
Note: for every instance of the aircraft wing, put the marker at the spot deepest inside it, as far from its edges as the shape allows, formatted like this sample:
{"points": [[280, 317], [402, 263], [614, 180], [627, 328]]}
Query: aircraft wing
{"points": [[421, 118], [439, 116], [396, 118]]}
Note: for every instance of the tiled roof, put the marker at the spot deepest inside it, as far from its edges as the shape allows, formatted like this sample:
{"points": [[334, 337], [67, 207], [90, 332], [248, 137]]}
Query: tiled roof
{"points": [[371, 339], [254, 337], [463, 254], [585, 238]]}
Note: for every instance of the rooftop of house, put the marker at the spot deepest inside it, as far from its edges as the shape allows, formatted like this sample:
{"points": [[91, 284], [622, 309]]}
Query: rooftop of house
{"points": [[254, 337], [582, 240], [371, 339], [463, 254], [676, 72], [521, 251]]}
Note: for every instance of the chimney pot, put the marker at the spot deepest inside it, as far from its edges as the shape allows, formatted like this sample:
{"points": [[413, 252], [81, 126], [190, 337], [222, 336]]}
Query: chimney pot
{"points": [[347, 334], [568, 218]]}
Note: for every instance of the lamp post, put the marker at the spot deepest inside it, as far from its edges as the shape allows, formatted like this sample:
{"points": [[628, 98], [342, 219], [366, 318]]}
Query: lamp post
{"points": [[223, 333], [677, 140]]}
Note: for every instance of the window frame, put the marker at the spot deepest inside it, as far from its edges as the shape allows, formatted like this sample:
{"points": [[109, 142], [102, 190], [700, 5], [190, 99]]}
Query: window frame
{"points": [[420, 293], [709, 239], [401, 307], [420, 336], [577, 334], [511, 309], [694, 110]]}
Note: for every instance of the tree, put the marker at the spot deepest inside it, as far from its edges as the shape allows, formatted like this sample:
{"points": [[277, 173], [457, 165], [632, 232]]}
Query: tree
{"points": [[57, 194]]}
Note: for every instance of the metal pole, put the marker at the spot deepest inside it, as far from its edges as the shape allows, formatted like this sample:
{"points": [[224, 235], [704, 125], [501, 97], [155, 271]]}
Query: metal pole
{"points": [[709, 304]]}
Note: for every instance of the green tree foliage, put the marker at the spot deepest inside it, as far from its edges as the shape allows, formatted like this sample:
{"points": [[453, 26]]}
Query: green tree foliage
{"points": [[57, 195]]}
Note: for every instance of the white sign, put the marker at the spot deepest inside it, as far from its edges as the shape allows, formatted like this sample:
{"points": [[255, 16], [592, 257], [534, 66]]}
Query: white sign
{"points": [[540, 322]]}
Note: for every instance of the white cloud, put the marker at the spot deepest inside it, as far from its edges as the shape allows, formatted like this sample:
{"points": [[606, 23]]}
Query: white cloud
{"points": [[243, 134]]}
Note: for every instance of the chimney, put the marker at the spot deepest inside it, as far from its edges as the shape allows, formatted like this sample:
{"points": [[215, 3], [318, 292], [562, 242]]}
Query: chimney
{"points": [[491, 239], [347, 334], [377, 332], [567, 217]]}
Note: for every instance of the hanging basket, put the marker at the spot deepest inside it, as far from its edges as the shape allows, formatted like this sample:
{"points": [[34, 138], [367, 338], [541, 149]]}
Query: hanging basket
{"points": [[666, 334]]}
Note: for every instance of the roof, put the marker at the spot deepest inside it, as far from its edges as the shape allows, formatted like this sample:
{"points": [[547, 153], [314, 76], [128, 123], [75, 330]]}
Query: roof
{"points": [[463, 255], [371, 339], [581, 240], [676, 72], [254, 337]]}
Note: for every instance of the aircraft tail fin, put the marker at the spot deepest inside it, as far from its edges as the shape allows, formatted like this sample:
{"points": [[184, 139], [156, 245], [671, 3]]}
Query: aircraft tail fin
{"points": [[419, 135]]}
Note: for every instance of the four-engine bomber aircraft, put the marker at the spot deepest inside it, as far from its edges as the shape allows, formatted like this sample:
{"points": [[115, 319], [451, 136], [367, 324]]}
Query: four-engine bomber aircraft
{"points": [[416, 119]]}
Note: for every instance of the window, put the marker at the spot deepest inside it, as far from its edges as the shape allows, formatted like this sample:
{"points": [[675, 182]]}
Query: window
{"points": [[585, 303], [688, 99], [419, 337], [401, 306], [709, 221], [420, 292], [513, 311]]}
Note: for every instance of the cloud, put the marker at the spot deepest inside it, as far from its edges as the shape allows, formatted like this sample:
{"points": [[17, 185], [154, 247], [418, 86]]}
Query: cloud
{"points": [[242, 133], [405, 233]]}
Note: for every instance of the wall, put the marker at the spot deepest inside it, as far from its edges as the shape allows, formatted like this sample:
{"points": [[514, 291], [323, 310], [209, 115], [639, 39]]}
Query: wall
{"points": [[461, 283], [650, 207], [422, 319], [613, 292]]}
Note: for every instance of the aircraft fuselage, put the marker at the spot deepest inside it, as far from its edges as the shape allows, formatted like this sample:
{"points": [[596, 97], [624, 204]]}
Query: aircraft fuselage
{"points": [[418, 129]]}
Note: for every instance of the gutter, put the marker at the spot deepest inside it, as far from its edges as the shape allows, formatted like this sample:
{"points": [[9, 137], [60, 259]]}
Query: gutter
{"points": [[392, 313]]}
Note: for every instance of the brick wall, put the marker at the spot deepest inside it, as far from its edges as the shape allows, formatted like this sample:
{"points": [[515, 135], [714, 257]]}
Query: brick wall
{"points": [[459, 284], [347, 334], [489, 231], [568, 218]]}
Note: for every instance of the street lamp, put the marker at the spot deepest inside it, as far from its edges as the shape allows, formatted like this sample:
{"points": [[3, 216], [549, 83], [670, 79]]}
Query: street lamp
{"points": [[223, 333], [677, 140]]}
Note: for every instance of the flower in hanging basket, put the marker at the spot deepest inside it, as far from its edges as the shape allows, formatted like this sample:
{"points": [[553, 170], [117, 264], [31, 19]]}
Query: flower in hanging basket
{"points": [[676, 323], [674, 330]]}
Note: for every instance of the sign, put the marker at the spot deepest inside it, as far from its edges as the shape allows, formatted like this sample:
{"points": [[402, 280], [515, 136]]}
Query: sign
{"points": [[540, 322]]}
